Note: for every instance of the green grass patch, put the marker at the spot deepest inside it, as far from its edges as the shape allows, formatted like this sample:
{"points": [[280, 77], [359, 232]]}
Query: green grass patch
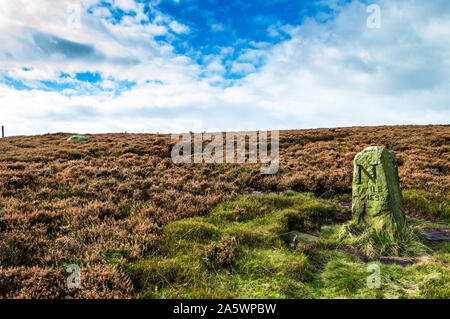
{"points": [[239, 251], [114, 256], [432, 204], [191, 229]]}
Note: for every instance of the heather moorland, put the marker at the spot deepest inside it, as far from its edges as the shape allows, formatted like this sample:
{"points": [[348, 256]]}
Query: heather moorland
{"points": [[139, 225]]}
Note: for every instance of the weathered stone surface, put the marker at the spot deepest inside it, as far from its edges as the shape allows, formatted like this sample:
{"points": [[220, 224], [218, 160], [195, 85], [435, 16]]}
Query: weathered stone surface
{"points": [[377, 201], [437, 235], [295, 237]]}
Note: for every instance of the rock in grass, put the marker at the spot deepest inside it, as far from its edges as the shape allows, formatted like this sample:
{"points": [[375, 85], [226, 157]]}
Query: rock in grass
{"points": [[376, 196], [78, 138], [295, 237]]}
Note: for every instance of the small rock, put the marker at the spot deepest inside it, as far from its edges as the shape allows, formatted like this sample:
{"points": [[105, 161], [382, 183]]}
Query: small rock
{"points": [[437, 235], [294, 237]]}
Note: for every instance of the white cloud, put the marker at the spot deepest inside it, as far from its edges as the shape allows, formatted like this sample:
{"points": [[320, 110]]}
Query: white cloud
{"points": [[126, 5], [242, 68], [217, 27], [336, 73], [178, 27], [216, 66]]}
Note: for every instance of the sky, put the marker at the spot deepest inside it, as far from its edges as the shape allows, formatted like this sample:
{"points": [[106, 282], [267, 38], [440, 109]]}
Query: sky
{"points": [[109, 66]]}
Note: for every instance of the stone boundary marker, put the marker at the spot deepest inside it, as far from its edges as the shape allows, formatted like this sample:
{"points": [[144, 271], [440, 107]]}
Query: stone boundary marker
{"points": [[377, 201]]}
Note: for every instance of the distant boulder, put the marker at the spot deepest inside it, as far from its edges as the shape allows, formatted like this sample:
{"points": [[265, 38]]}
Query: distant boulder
{"points": [[78, 138]]}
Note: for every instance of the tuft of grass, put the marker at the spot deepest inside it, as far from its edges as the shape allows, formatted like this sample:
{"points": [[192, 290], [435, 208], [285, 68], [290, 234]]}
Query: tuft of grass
{"points": [[343, 278], [444, 248], [432, 204], [432, 280], [436, 287], [192, 229], [443, 254], [372, 243], [162, 272], [347, 277]]}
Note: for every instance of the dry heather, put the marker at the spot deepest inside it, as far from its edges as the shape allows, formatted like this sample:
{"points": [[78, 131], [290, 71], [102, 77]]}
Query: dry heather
{"points": [[102, 202]]}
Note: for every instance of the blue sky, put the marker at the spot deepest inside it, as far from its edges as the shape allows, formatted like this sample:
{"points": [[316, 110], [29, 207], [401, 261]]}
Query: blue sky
{"points": [[206, 65]]}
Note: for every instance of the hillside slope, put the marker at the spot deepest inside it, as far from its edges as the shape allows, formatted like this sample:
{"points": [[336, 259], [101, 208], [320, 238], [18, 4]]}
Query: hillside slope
{"points": [[65, 202]]}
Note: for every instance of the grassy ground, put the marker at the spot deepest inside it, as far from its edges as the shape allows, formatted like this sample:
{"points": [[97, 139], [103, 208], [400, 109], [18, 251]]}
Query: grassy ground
{"points": [[241, 250], [435, 205]]}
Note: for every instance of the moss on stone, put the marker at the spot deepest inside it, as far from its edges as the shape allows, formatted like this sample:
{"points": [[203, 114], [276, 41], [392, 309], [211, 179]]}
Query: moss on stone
{"points": [[377, 201]]}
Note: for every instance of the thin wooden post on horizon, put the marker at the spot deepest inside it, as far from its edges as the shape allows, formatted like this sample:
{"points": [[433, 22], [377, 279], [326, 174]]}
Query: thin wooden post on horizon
{"points": [[3, 131]]}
